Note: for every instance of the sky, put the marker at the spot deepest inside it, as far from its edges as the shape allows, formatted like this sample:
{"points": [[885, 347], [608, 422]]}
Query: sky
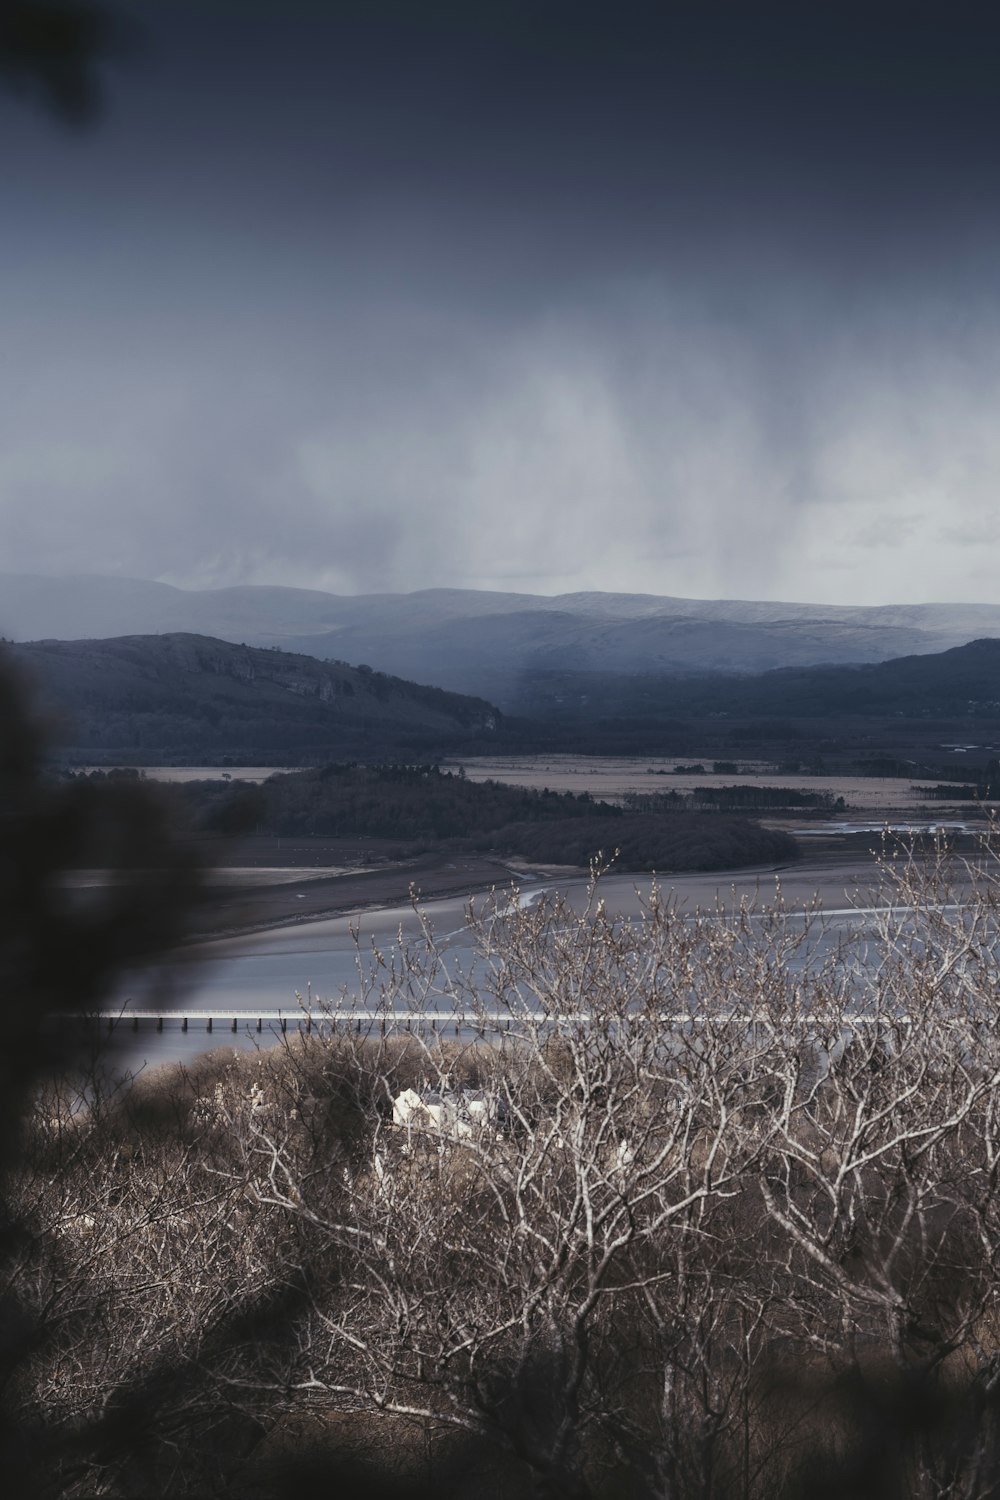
{"points": [[695, 297]]}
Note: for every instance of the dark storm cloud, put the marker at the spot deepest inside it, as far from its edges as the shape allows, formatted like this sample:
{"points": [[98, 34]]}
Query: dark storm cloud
{"points": [[691, 297]]}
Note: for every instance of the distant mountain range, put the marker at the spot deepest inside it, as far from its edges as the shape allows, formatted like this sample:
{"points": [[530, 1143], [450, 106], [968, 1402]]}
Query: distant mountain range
{"points": [[495, 645], [185, 698]]}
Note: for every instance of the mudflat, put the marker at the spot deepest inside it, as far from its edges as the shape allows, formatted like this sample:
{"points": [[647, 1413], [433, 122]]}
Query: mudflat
{"points": [[315, 880]]}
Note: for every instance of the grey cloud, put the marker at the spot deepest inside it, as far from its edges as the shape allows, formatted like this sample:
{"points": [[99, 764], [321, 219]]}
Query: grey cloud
{"points": [[657, 454], [512, 304]]}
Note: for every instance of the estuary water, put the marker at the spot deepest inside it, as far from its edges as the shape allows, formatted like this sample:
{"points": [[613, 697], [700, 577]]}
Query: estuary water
{"points": [[333, 960]]}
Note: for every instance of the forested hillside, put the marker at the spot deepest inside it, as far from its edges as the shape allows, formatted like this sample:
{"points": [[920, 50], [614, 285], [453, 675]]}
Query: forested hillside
{"points": [[424, 806], [959, 683], [177, 698]]}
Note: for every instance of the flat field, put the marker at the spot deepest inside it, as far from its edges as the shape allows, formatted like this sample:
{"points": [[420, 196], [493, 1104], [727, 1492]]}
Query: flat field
{"points": [[609, 777], [206, 773]]}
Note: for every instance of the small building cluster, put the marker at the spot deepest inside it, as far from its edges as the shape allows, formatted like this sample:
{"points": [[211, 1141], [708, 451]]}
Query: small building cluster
{"points": [[459, 1113]]}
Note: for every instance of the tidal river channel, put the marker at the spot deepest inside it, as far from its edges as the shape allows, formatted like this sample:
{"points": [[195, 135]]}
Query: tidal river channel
{"points": [[259, 975]]}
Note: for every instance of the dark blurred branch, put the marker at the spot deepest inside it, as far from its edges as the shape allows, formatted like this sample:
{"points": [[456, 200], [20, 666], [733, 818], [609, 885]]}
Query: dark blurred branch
{"points": [[51, 51], [63, 949]]}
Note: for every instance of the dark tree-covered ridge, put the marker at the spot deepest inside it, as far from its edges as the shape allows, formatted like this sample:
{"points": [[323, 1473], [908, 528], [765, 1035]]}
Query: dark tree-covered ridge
{"points": [[179, 697], [961, 682]]}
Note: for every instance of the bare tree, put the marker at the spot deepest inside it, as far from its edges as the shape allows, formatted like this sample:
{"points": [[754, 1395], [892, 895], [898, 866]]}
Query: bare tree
{"points": [[513, 1276], [707, 1149]]}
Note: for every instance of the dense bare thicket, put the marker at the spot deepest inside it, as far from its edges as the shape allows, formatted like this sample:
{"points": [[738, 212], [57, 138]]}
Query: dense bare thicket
{"points": [[693, 1206]]}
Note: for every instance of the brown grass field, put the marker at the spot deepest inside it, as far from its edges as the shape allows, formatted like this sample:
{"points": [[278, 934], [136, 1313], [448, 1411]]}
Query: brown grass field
{"points": [[611, 777]]}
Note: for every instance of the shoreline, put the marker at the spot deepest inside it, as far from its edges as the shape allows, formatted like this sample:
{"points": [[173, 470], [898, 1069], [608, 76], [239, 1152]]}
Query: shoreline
{"points": [[269, 908], [266, 883]]}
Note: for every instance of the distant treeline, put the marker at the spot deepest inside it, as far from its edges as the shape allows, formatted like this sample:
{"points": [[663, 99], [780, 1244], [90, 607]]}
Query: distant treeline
{"points": [[746, 797], [421, 806], [907, 769], [950, 792], [402, 802], [656, 841], [986, 789]]}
